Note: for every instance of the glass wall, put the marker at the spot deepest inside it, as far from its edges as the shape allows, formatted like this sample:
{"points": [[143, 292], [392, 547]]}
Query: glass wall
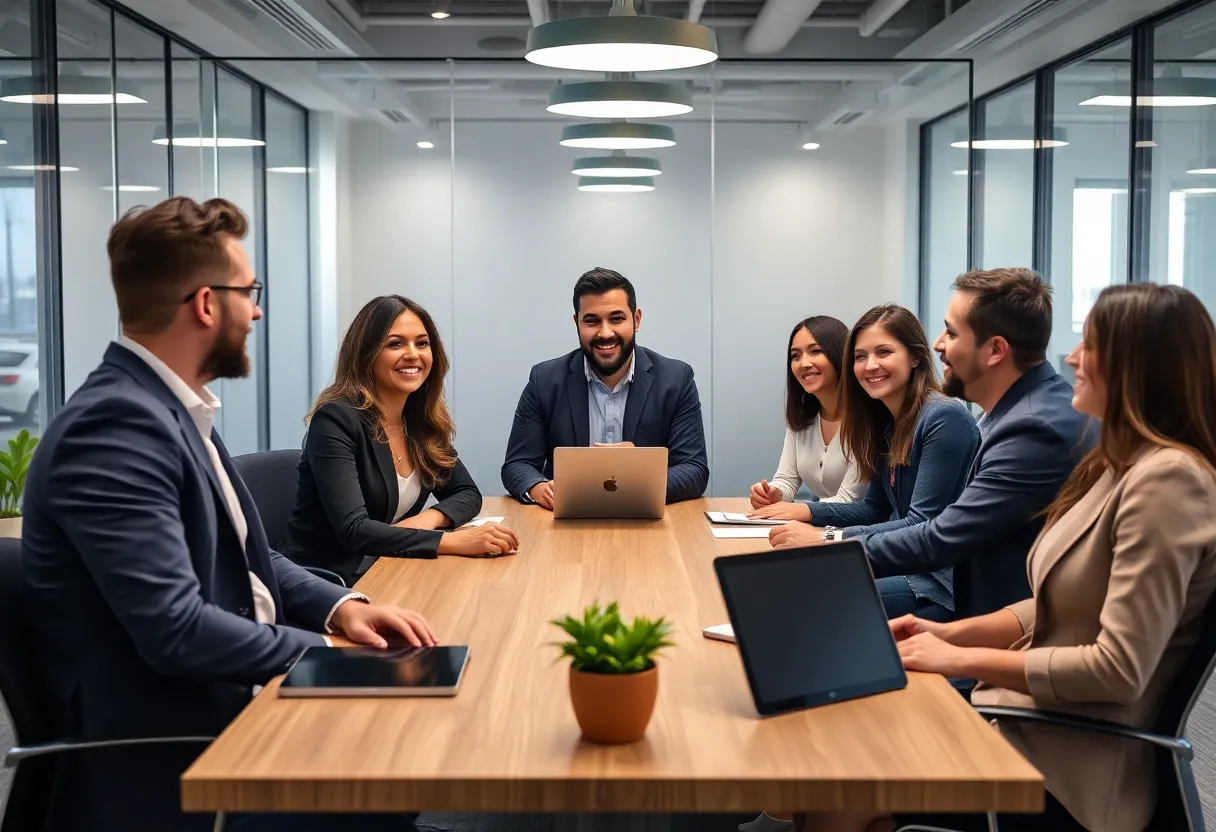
{"points": [[1004, 153], [943, 213], [138, 117]]}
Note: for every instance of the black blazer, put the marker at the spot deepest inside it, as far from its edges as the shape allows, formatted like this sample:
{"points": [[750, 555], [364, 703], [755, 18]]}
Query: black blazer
{"points": [[145, 623], [663, 409], [347, 494]]}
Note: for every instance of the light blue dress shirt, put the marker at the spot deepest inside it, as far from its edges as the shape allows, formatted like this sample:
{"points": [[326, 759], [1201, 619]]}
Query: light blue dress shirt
{"points": [[605, 407]]}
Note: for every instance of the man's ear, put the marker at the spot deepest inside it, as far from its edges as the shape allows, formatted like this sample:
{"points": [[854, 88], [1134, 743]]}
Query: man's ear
{"points": [[1000, 351]]}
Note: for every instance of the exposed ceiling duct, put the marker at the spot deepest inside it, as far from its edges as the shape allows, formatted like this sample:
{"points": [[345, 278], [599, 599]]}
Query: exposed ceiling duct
{"points": [[299, 20], [776, 25], [877, 15], [538, 11]]}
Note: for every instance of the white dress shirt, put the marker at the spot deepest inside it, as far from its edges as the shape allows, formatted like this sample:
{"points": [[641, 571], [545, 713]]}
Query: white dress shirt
{"points": [[201, 407], [805, 458]]}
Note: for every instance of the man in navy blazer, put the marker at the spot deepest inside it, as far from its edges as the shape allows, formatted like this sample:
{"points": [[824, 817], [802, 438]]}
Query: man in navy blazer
{"points": [[158, 605], [606, 393], [994, 347]]}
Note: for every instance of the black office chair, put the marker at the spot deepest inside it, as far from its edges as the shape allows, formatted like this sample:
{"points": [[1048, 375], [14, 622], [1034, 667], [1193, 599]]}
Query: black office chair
{"points": [[1178, 806], [29, 799], [270, 477]]}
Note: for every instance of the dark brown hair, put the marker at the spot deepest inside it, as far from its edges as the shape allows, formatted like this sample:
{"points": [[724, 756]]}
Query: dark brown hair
{"points": [[1169, 403], [801, 407], [1014, 304], [428, 424], [600, 281], [159, 255], [865, 419]]}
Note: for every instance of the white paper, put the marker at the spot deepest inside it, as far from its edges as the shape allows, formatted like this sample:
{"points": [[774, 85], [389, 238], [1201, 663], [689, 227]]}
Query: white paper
{"points": [[740, 519], [481, 521], [739, 531]]}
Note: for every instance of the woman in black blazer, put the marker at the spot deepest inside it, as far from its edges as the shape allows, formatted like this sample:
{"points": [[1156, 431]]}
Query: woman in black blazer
{"points": [[379, 443]]}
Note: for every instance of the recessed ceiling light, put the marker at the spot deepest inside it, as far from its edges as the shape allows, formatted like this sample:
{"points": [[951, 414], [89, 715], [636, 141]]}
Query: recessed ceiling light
{"points": [[287, 169], [620, 99], [438, 15], [426, 145], [606, 185], [616, 166], [810, 146], [133, 189], [618, 135], [62, 168], [623, 41], [69, 89]]}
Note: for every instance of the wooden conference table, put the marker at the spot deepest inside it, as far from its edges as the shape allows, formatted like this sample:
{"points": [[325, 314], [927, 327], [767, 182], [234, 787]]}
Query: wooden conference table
{"points": [[509, 740]]}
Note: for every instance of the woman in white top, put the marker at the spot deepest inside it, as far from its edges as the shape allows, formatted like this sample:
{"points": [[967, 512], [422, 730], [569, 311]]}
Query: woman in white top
{"points": [[813, 454]]}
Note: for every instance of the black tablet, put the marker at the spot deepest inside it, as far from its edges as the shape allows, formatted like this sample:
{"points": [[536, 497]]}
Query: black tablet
{"points": [[367, 671], [810, 626]]}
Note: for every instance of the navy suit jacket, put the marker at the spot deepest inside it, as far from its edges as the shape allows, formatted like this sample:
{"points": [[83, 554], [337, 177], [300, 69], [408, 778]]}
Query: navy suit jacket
{"points": [[143, 605], [1033, 440], [663, 410]]}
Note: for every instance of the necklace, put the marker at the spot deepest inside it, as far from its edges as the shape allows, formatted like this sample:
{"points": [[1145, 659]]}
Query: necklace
{"points": [[390, 442]]}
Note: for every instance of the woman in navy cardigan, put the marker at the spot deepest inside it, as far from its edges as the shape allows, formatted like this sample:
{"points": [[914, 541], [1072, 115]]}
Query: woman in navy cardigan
{"points": [[913, 444]]}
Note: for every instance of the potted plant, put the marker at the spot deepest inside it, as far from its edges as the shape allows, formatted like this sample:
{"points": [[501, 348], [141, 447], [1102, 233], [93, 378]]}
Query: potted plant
{"points": [[613, 678], [14, 465]]}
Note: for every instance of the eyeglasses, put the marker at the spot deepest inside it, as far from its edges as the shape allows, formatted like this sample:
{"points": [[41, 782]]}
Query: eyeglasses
{"points": [[253, 291]]}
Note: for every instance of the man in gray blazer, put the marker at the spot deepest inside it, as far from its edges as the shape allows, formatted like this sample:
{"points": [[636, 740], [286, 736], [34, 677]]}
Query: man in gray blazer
{"points": [[159, 605], [994, 351]]}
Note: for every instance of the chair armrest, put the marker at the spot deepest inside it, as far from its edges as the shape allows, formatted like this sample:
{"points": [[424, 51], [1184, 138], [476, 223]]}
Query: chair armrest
{"points": [[332, 577], [1176, 745], [18, 753]]}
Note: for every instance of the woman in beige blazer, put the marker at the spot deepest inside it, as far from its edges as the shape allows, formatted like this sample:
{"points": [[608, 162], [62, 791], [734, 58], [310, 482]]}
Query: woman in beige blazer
{"points": [[1121, 573]]}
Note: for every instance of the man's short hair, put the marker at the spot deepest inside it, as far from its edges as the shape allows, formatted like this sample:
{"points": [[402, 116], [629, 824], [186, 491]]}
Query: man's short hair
{"points": [[1014, 304], [158, 255], [598, 281]]}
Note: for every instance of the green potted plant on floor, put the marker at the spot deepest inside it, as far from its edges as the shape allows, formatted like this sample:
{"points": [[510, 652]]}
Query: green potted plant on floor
{"points": [[613, 678], [14, 465]]}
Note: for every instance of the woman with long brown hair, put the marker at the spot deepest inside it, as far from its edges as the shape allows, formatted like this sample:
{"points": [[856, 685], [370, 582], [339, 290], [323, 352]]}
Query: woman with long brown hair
{"points": [[911, 443], [1122, 572], [379, 443]]}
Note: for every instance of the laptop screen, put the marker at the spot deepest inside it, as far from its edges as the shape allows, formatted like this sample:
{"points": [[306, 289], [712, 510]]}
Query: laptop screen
{"points": [[810, 626]]}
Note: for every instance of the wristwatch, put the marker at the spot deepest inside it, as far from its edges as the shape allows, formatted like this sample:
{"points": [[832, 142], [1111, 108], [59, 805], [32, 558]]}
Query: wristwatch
{"points": [[829, 532]]}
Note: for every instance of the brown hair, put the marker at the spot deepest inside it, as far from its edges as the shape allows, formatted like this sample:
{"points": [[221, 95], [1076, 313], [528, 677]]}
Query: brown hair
{"points": [[801, 408], [865, 419], [159, 255], [428, 425], [1170, 403], [1014, 304]]}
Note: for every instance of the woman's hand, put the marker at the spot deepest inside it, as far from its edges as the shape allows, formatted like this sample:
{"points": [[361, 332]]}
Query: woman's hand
{"points": [[764, 494], [907, 626], [783, 511], [488, 540]]}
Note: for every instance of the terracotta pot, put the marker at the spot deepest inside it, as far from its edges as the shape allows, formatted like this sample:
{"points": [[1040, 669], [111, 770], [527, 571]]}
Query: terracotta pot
{"points": [[613, 707], [10, 527]]}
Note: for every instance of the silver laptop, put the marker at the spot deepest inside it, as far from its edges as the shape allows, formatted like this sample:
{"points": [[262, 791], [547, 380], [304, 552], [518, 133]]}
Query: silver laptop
{"points": [[609, 483]]}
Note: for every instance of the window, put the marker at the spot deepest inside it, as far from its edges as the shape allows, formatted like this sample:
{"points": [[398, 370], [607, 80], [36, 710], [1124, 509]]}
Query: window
{"points": [[944, 207], [1005, 145]]}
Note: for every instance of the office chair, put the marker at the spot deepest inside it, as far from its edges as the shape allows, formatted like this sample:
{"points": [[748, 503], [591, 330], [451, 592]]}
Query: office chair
{"points": [[1178, 806], [36, 748], [270, 477]]}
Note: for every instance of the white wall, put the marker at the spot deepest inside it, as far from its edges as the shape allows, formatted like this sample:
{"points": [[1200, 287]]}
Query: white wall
{"points": [[745, 235]]}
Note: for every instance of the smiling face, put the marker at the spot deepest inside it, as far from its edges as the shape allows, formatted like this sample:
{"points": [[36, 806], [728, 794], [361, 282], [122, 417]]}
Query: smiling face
{"points": [[405, 357], [882, 364], [606, 329], [1089, 392], [810, 365]]}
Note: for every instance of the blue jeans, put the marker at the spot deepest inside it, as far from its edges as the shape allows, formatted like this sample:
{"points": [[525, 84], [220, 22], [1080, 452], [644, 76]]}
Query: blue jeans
{"points": [[319, 822], [898, 599]]}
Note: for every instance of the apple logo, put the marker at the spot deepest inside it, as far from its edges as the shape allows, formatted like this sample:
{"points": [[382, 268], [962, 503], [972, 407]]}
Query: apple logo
{"points": [[610, 485]]}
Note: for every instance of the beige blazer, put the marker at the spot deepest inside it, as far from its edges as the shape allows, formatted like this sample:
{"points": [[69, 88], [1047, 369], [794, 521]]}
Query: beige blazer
{"points": [[1119, 584]]}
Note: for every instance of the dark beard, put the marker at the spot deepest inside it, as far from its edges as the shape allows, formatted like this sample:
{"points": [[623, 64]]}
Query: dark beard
{"points": [[227, 358], [953, 386], [608, 369]]}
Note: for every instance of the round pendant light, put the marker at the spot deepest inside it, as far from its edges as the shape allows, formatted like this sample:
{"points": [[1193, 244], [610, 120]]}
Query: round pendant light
{"points": [[1169, 89], [70, 89], [622, 42], [44, 168], [1011, 137], [616, 166], [620, 99], [132, 189], [191, 134], [616, 185], [618, 135]]}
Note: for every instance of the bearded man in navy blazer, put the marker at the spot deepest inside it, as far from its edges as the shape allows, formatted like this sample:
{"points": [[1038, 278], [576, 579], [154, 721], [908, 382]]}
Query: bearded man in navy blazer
{"points": [[157, 604], [607, 392]]}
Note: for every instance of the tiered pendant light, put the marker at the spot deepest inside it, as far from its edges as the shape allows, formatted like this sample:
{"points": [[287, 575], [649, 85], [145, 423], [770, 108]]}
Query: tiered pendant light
{"points": [[616, 185], [618, 135], [622, 42], [620, 99], [617, 166]]}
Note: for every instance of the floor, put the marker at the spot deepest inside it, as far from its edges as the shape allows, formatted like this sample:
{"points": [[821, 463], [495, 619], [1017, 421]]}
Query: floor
{"points": [[1203, 735]]}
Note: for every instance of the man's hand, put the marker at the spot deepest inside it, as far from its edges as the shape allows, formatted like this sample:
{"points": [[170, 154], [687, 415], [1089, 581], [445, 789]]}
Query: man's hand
{"points": [[376, 624], [542, 494], [795, 534]]}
